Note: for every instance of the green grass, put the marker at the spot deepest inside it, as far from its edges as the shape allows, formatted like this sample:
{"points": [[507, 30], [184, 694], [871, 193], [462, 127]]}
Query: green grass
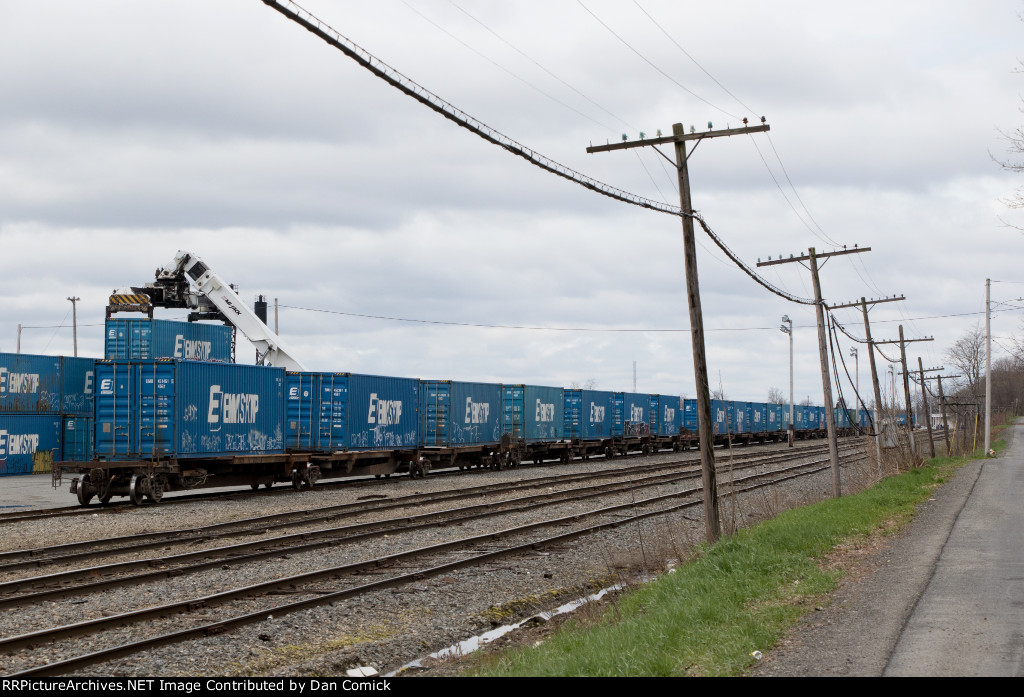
{"points": [[737, 596]]}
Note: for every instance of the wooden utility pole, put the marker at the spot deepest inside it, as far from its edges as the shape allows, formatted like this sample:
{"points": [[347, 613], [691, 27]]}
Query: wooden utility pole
{"points": [[863, 304], [988, 364], [906, 380], [712, 522], [942, 400], [826, 380]]}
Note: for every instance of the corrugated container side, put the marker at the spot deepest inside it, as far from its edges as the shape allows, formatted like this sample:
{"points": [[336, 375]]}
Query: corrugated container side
{"points": [[28, 439], [316, 405], [773, 417], [382, 412], [758, 417], [690, 415], [720, 417], [78, 379], [635, 409], [144, 338], [30, 384], [459, 413], [670, 419], [573, 413], [476, 413], [76, 441], [596, 414], [740, 420], [187, 409], [543, 413]]}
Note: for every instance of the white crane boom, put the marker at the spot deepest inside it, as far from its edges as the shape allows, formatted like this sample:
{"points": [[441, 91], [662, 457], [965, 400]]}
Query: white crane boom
{"points": [[218, 292]]}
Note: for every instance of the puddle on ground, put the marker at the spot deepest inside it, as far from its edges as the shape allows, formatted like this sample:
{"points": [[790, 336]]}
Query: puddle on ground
{"points": [[472, 644]]}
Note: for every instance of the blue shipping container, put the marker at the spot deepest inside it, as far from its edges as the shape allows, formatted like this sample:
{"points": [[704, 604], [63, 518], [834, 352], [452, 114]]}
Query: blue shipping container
{"points": [[459, 413], [382, 412], [758, 417], [773, 417], [720, 417], [316, 405], [78, 379], [144, 338], [76, 441], [666, 415], [690, 415], [740, 417], [596, 414], [30, 384], [533, 413], [23, 436], [187, 409], [630, 414]]}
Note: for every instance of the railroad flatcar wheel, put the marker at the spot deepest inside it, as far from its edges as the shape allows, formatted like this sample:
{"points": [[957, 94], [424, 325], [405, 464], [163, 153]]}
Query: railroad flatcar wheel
{"points": [[376, 476], [269, 485], [156, 490], [254, 486], [646, 449], [296, 480], [135, 488], [85, 492]]}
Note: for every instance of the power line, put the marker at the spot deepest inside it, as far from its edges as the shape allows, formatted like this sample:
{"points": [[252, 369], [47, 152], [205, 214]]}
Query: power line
{"points": [[650, 63], [399, 81], [478, 325]]}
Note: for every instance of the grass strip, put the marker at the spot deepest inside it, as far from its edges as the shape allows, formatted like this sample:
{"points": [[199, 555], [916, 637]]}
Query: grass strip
{"points": [[738, 596]]}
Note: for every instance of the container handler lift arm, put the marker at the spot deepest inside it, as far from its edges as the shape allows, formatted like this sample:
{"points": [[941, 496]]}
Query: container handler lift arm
{"points": [[172, 289]]}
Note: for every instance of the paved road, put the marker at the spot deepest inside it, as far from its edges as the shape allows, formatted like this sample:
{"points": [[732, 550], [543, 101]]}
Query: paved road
{"points": [[970, 619], [946, 597]]}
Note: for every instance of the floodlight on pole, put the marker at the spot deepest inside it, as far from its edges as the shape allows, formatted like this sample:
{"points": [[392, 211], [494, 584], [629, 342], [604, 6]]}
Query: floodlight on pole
{"points": [[787, 328]]}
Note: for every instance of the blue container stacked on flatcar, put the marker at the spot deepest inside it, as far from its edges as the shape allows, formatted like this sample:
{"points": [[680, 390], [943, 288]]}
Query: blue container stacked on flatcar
{"points": [[78, 386], [720, 417], [758, 417], [454, 413], [588, 414], [76, 438], [144, 338], [666, 415], [382, 412], [773, 417], [740, 417], [316, 405], [629, 414], [690, 421], [533, 413], [187, 409]]}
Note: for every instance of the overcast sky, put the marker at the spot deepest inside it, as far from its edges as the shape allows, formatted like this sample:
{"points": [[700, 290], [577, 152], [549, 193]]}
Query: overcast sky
{"points": [[129, 130]]}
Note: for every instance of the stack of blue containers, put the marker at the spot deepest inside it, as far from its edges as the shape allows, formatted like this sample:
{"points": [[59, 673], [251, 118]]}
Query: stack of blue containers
{"points": [[46, 407]]}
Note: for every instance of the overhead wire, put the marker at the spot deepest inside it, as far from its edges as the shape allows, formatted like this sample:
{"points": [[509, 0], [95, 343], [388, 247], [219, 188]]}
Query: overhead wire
{"points": [[506, 70], [651, 63], [301, 16]]}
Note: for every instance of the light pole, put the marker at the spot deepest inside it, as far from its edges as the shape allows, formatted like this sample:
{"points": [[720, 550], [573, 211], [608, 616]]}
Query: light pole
{"points": [[74, 321], [856, 389], [789, 330]]}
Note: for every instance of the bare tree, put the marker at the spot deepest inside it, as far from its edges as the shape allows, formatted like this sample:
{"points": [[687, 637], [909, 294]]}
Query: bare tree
{"points": [[968, 354], [719, 394], [1015, 163], [775, 396], [590, 384]]}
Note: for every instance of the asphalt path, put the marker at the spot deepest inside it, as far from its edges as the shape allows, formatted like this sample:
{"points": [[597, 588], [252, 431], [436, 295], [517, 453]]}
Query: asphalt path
{"points": [[943, 598]]}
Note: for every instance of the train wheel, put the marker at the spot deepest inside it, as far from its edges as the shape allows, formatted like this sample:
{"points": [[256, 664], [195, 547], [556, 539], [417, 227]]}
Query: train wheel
{"points": [[296, 480], [85, 492], [156, 489], [135, 488], [269, 485], [254, 486]]}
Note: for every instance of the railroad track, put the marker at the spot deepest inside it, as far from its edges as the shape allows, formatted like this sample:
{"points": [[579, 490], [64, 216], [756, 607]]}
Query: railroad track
{"points": [[88, 549], [8, 517], [236, 606], [70, 583]]}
